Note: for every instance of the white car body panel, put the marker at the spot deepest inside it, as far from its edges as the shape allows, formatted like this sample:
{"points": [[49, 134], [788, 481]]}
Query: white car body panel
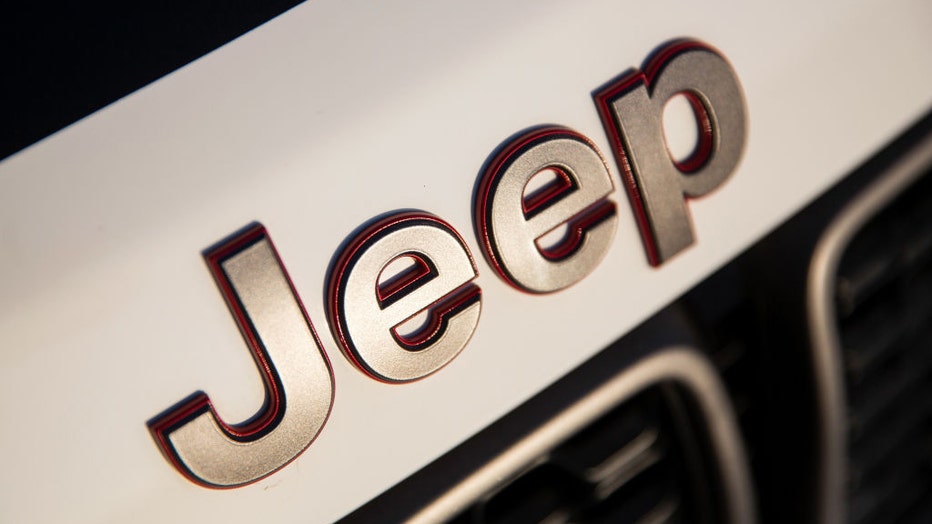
{"points": [[315, 123]]}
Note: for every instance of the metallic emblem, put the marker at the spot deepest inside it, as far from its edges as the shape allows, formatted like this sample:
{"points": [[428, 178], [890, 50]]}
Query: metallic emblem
{"points": [[632, 111], [367, 308], [296, 372], [413, 269], [510, 222]]}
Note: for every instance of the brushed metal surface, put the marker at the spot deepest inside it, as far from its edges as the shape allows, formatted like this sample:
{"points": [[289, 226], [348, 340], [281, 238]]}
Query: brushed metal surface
{"points": [[367, 326], [657, 184], [510, 234], [203, 447]]}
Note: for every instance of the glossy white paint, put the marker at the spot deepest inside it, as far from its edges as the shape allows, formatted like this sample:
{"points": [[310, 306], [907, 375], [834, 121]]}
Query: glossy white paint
{"points": [[317, 122]]}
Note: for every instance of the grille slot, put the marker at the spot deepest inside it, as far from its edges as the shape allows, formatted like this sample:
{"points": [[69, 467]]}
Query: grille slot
{"points": [[636, 435], [883, 298], [723, 311], [626, 466]]}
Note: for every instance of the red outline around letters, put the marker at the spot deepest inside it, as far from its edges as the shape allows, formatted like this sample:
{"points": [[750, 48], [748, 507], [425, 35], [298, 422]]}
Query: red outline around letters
{"points": [[577, 226], [603, 99], [551, 192], [274, 406], [440, 312], [490, 176], [349, 253], [386, 293]]}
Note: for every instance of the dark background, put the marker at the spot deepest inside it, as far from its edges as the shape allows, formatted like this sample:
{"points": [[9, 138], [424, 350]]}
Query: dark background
{"points": [[60, 63]]}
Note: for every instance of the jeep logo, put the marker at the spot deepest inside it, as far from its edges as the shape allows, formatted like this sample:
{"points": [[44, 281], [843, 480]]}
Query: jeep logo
{"points": [[402, 299]]}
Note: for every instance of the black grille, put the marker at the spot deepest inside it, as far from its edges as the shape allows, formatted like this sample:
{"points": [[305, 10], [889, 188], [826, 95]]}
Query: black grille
{"points": [[725, 318], [634, 464], [884, 303]]}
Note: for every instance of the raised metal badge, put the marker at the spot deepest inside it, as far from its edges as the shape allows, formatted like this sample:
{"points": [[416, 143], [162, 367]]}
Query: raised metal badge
{"points": [[367, 308], [632, 107], [401, 297], [511, 221], [297, 375]]}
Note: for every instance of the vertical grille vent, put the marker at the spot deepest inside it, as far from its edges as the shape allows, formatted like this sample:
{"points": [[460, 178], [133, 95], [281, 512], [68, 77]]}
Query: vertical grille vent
{"points": [[883, 296], [726, 317], [643, 433], [639, 463]]}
